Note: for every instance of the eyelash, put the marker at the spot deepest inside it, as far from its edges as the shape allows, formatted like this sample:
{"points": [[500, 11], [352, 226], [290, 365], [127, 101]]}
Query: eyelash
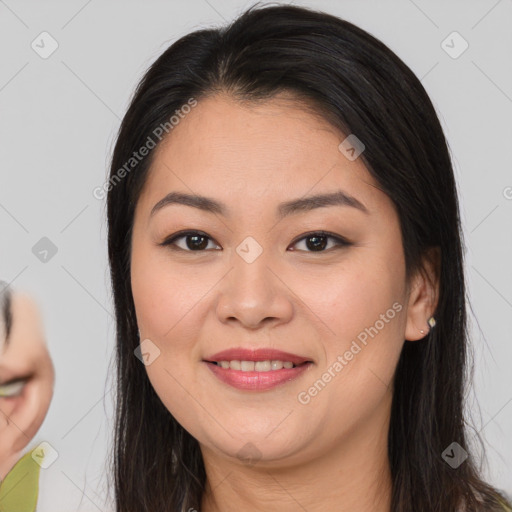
{"points": [[341, 242]]}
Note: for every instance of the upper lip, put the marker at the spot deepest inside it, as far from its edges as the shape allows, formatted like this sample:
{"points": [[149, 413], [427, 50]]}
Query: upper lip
{"points": [[260, 354]]}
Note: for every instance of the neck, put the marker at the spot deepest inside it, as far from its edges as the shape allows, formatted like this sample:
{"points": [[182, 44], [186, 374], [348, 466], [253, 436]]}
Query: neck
{"points": [[353, 476]]}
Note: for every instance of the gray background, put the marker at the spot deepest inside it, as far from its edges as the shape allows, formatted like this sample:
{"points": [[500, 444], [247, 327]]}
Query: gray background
{"points": [[58, 121]]}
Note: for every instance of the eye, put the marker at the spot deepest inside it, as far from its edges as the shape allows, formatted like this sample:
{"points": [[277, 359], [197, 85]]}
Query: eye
{"points": [[12, 388], [197, 241], [318, 240]]}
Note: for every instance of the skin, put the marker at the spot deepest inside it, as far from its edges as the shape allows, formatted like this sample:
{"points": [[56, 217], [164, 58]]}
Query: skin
{"points": [[24, 356], [330, 454]]}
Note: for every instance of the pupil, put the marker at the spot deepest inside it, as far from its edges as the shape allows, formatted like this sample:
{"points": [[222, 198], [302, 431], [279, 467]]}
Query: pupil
{"points": [[316, 244], [195, 238]]}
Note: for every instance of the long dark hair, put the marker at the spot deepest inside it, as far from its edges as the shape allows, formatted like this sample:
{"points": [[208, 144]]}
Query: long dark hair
{"points": [[360, 86]]}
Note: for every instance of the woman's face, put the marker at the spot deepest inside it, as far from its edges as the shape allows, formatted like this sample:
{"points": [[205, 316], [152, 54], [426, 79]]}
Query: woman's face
{"points": [[27, 377], [255, 277]]}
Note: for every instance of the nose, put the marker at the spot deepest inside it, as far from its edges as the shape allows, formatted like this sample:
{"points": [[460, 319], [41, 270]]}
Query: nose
{"points": [[254, 294]]}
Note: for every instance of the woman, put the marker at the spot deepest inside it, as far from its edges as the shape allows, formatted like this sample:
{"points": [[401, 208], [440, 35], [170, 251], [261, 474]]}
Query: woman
{"points": [[27, 378], [287, 267]]}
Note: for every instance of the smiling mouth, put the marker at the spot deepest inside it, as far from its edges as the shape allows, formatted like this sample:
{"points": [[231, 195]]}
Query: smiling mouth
{"points": [[257, 366], [257, 376]]}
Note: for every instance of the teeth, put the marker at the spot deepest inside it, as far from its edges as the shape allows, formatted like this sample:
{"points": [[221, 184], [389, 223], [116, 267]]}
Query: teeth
{"points": [[262, 366], [247, 366], [258, 366]]}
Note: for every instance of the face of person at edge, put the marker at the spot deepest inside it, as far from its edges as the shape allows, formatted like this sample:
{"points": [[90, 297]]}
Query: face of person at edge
{"points": [[27, 379], [193, 303]]}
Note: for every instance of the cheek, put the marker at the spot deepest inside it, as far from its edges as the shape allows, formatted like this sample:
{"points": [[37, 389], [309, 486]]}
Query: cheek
{"points": [[166, 302], [354, 297], [362, 312], [7, 406], [164, 294]]}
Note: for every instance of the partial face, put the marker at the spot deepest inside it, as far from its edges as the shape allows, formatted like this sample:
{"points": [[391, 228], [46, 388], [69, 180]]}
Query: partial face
{"points": [[26, 380], [324, 283]]}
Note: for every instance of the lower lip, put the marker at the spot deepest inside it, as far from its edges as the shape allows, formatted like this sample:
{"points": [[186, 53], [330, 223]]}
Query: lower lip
{"points": [[257, 381]]}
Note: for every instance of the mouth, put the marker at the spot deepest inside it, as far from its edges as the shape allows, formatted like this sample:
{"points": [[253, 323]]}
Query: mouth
{"points": [[257, 370], [261, 355], [257, 366]]}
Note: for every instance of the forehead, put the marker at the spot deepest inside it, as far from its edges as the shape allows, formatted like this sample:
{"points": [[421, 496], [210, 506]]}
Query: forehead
{"points": [[271, 149]]}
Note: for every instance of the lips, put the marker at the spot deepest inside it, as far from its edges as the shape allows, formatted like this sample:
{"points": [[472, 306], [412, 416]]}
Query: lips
{"points": [[261, 354], [288, 368]]}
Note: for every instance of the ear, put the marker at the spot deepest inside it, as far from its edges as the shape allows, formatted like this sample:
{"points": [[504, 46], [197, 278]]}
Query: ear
{"points": [[423, 295]]}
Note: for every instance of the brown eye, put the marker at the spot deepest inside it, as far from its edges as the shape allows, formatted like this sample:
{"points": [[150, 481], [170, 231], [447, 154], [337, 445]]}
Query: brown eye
{"points": [[195, 241], [317, 242]]}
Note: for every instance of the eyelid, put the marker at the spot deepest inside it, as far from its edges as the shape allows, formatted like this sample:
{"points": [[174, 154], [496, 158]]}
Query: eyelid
{"points": [[340, 241], [169, 241]]}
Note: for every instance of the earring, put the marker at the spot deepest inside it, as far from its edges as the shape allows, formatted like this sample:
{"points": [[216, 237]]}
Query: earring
{"points": [[431, 321], [138, 333]]}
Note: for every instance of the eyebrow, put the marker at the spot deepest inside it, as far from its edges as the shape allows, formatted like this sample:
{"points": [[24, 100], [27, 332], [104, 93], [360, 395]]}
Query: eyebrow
{"points": [[337, 198]]}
